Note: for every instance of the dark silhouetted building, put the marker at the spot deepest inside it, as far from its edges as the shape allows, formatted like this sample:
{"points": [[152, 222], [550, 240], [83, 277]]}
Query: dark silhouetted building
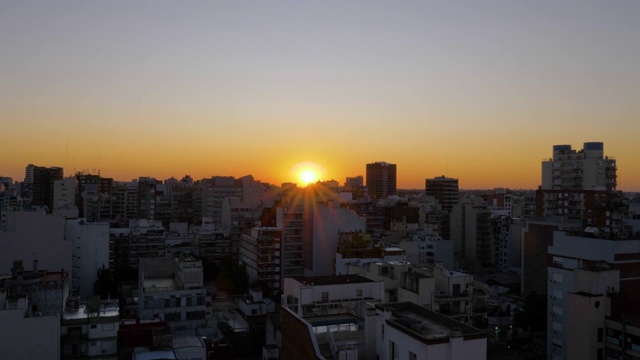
{"points": [[381, 180]]}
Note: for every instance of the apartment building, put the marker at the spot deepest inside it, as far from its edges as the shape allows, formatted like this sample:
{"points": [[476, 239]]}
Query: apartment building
{"points": [[381, 180], [171, 289], [324, 317], [471, 234], [406, 331], [90, 329], [584, 272], [260, 252], [90, 241]]}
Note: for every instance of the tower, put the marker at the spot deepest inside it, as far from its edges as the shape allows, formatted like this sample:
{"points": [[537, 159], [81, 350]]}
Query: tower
{"points": [[381, 180]]}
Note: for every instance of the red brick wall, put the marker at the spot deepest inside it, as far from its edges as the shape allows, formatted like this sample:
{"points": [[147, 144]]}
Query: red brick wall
{"points": [[296, 339]]}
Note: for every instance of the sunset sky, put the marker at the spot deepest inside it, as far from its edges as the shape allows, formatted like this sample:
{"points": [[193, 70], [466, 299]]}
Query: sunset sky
{"points": [[477, 90]]}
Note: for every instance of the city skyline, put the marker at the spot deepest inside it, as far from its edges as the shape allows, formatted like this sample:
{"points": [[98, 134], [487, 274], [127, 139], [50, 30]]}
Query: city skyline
{"points": [[478, 92]]}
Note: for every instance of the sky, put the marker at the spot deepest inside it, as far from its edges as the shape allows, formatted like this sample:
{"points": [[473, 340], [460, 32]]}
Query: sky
{"points": [[476, 90]]}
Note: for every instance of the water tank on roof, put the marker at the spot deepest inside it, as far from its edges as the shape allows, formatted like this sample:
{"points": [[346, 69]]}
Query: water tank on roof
{"points": [[557, 149], [594, 146]]}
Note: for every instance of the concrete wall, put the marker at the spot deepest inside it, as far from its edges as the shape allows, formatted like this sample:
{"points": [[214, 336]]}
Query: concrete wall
{"points": [[585, 315], [327, 222], [34, 234], [90, 252], [28, 338]]}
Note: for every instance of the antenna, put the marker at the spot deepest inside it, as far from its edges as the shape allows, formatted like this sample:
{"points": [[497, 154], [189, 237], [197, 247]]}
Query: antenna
{"points": [[66, 156]]}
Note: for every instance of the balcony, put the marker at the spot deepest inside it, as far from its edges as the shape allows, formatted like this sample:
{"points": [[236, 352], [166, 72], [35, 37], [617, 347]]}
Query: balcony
{"points": [[446, 298], [479, 309], [453, 312], [75, 337]]}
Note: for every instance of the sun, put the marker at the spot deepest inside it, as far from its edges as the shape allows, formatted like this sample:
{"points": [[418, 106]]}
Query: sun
{"points": [[308, 176], [307, 172]]}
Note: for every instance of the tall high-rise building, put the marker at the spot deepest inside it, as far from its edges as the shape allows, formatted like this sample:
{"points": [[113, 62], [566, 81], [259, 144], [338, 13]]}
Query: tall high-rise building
{"points": [[443, 189], [585, 169], [93, 196], [38, 185], [381, 180], [147, 197], [471, 234], [579, 187]]}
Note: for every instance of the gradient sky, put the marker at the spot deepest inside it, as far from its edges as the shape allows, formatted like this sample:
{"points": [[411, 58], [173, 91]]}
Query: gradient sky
{"points": [[478, 90]]}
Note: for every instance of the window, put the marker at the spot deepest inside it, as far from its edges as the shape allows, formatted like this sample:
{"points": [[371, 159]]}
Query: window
{"points": [[600, 330], [412, 356], [358, 293], [382, 332], [393, 350], [94, 326], [325, 296]]}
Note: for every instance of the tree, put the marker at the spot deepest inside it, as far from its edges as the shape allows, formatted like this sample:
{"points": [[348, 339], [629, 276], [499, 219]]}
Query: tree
{"points": [[105, 286], [233, 278], [533, 316]]}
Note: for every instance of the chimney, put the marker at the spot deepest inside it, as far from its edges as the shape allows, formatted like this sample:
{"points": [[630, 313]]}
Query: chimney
{"points": [[35, 265]]}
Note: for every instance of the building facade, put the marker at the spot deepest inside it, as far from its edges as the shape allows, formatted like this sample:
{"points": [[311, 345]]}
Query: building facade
{"points": [[381, 180]]}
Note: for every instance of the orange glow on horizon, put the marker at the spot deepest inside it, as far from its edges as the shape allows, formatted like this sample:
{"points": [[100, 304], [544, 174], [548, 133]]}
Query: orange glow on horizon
{"points": [[307, 172]]}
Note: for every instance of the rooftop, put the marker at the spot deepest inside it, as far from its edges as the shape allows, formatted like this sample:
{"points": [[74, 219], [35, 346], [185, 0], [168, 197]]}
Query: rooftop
{"points": [[106, 309], [331, 280], [427, 325], [157, 354], [187, 341]]}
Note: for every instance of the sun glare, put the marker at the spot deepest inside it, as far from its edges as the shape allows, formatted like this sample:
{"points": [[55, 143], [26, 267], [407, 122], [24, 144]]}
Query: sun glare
{"points": [[307, 173]]}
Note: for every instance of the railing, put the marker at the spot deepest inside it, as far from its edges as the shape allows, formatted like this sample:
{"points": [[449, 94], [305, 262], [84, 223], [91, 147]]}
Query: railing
{"points": [[75, 337]]}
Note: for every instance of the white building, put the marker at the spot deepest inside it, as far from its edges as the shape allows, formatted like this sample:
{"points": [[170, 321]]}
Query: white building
{"points": [[390, 273], [90, 253], [30, 306], [585, 169], [358, 249], [405, 331], [423, 248], [23, 334], [64, 197], [585, 269], [323, 317], [90, 329], [345, 265], [253, 304], [172, 290]]}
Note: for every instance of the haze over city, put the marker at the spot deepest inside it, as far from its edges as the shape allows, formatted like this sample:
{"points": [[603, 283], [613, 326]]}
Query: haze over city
{"points": [[475, 91]]}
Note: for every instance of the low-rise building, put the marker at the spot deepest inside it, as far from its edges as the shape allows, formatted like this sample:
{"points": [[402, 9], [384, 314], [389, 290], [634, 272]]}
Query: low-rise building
{"points": [[90, 329], [323, 317], [406, 331], [172, 290]]}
